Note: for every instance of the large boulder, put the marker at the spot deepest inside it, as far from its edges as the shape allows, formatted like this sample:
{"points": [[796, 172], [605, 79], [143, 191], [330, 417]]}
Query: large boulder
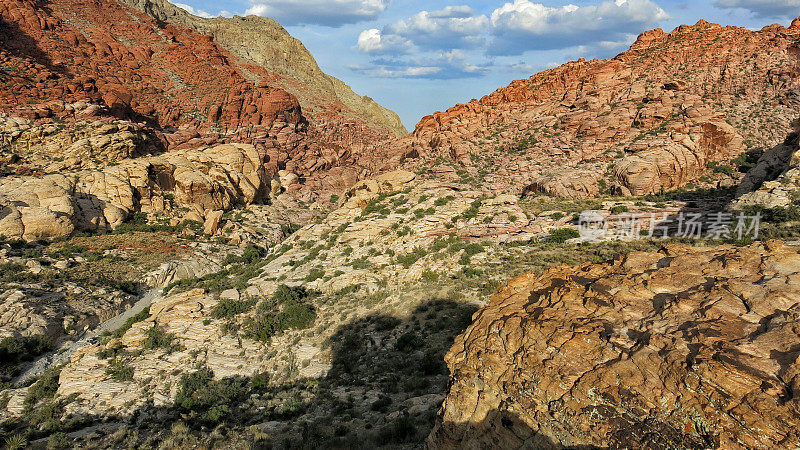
{"points": [[689, 347], [671, 160]]}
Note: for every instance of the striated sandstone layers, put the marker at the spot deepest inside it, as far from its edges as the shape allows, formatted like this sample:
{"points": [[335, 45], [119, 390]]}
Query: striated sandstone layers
{"points": [[682, 348]]}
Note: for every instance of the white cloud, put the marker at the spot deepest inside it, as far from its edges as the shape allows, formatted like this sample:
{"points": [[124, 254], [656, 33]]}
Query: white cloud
{"points": [[777, 9], [195, 11], [449, 38], [333, 13], [372, 41], [444, 29], [524, 25]]}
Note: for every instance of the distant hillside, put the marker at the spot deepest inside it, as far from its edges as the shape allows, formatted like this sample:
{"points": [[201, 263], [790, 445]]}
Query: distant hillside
{"points": [[266, 43]]}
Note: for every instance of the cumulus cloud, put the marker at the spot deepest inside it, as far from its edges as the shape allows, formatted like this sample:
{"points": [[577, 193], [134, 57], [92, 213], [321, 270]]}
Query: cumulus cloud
{"points": [[332, 13], [770, 9], [195, 11], [448, 28], [524, 25], [374, 42], [448, 38]]}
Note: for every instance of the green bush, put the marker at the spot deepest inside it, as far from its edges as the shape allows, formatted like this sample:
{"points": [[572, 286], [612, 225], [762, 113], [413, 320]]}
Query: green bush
{"points": [[227, 308], [430, 276], [16, 350], [561, 235], [45, 387], [618, 209], [409, 259], [314, 274], [776, 215], [720, 168], [157, 338], [473, 210], [119, 332], [15, 273], [408, 342], [119, 371], [287, 309], [208, 399]]}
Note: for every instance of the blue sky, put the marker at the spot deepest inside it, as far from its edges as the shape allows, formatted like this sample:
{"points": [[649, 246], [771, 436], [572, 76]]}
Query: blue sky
{"points": [[416, 57]]}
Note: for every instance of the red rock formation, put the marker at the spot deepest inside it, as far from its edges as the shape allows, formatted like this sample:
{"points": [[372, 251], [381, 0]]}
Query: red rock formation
{"points": [[106, 52], [125, 64], [674, 89], [687, 348]]}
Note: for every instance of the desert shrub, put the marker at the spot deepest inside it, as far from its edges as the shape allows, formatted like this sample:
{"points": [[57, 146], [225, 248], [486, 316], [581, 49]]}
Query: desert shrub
{"points": [[227, 308], [290, 229], [314, 274], [119, 371], [473, 249], [157, 338], [721, 168], [441, 201], [127, 287], [778, 214], [473, 209], [119, 332], [408, 342], [561, 235], [253, 253], [746, 161], [16, 350], [15, 273], [288, 308], [111, 352], [45, 387], [430, 276], [618, 209], [207, 399], [409, 259]]}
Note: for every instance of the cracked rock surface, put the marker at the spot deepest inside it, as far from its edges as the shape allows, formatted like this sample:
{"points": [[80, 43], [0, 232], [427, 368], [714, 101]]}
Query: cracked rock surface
{"points": [[687, 347]]}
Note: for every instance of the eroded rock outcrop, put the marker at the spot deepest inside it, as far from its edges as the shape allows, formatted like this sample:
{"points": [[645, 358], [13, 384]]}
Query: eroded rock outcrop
{"points": [[689, 347], [774, 182], [651, 118], [202, 181], [267, 44]]}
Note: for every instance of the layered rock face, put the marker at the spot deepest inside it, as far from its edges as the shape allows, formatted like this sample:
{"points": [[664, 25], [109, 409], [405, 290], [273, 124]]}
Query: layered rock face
{"points": [[651, 118], [201, 181], [266, 43], [689, 347]]}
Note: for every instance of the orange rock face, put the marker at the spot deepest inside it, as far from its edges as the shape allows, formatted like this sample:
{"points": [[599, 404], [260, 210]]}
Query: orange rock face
{"points": [[649, 119], [682, 348], [73, 50]]}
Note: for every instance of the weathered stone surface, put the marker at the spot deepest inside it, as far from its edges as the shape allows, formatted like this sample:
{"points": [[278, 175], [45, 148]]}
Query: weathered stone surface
{"points": [[267, 44], [206, 180], [775, 180], [650, 118], [687, 347]]}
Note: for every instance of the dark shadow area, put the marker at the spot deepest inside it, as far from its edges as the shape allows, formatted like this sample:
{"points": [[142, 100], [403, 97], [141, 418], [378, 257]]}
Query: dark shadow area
{"points": [[386, 383], [15, 41]]}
